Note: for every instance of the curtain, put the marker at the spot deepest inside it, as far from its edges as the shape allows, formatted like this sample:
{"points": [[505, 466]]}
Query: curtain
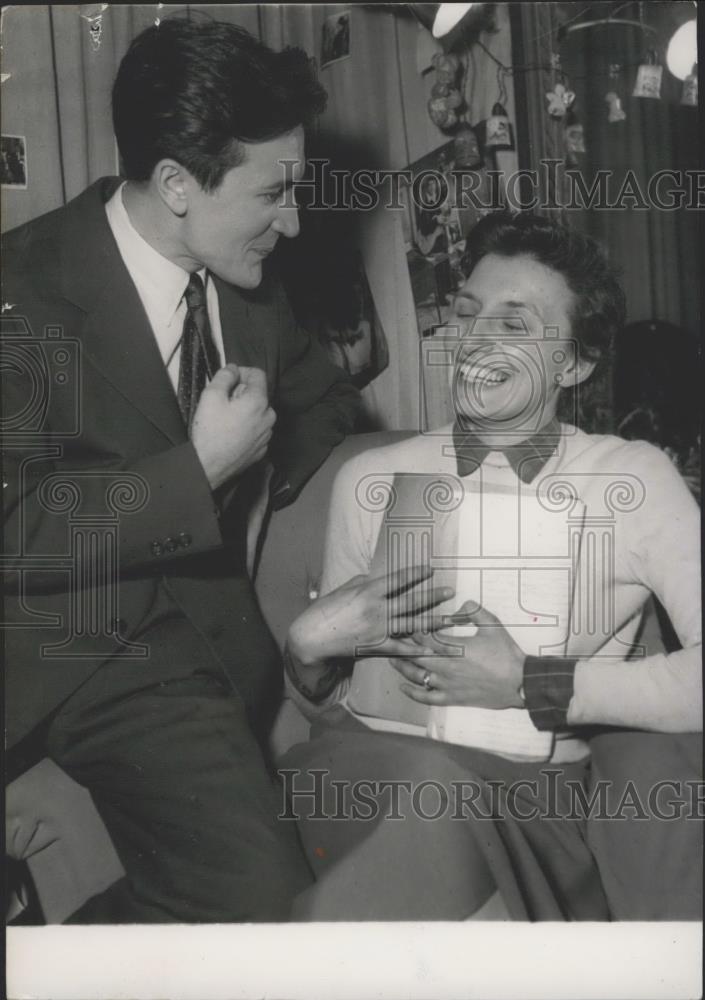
{"points": [[539, 136], [656, 250], [375, 119]]}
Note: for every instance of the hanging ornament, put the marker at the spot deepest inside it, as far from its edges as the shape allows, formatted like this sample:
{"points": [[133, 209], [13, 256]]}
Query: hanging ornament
{"points": [[559, 101], [442, 109], [95, 29], [498, 130], [648, 78], [445, 97], [689, 96], [616, 112], [158, 18], [573, 138], [466, 148], [92, 14]]}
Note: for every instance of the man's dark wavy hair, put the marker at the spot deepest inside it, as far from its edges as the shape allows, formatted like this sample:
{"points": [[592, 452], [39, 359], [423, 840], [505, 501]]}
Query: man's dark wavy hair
{"points": [[600, 309], [195, 90]]}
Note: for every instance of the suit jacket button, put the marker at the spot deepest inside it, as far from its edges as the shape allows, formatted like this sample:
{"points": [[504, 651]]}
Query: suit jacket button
{"points": [[171, 545], [156, 548], [185, 540]]}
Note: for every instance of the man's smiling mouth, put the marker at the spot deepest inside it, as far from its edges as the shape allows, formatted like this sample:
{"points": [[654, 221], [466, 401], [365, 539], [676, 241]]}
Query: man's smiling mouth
{"points": [[263, 251]]}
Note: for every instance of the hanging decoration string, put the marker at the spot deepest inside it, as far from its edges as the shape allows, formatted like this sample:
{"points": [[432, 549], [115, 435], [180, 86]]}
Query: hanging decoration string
{"points": [[542, 67], [616, 112], [501, 85]]}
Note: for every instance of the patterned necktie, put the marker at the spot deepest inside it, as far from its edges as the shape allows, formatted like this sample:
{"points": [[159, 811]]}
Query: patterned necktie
{"points": [[199, 355], [526, 458]]}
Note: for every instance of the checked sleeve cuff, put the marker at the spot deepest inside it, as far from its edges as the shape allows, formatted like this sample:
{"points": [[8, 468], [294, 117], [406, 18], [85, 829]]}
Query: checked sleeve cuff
{"points": [[548, 688]]}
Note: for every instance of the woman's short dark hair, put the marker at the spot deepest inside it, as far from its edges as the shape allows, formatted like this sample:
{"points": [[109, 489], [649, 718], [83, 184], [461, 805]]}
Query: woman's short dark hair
{"points": [[195, 90], [599, 310]]}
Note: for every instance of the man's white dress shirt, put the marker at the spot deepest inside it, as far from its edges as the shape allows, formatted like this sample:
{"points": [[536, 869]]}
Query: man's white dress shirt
{"points": [[160, 285]]}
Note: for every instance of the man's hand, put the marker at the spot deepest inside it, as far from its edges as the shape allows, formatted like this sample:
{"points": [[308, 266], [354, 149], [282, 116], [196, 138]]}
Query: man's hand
{"points": [[233, 423], [391, 613], [486, 673]]}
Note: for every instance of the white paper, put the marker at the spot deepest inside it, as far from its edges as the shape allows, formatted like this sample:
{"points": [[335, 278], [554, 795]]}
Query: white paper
{"points": [[512, 552], [519, 568]]}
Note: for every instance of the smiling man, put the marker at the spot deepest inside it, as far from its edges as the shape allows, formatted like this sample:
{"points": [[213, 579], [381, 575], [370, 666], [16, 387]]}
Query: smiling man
{"points": [[537, 312], [147, 672]]}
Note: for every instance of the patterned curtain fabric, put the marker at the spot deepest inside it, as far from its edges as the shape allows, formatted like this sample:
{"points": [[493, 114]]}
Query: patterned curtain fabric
{"points": [[655, 250], [540, 136]]}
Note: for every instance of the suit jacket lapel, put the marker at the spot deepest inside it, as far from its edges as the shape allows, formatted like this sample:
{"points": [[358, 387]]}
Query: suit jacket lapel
{"points": [[119, 340], [117, 336], [246, 337], [234, 322]]}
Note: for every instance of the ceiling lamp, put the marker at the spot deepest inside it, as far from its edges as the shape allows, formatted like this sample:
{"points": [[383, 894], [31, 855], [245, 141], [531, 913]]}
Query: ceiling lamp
{"points": [[450, 23], [682, 52], [448, 16]]}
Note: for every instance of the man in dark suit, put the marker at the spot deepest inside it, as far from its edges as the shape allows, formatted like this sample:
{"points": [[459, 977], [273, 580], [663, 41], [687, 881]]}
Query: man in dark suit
{"points": [[148, 351]]}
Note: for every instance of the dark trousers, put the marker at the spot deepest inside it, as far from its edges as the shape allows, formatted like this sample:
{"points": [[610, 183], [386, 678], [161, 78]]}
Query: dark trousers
{"points": [[436, 860], [651, 856], [182, 787]]}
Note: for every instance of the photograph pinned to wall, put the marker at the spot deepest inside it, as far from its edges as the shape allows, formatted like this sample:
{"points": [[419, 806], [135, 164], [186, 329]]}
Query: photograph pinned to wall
{"points": [[444, 201], [352, 331], [13, 166], [335, 38], [436, 222]]}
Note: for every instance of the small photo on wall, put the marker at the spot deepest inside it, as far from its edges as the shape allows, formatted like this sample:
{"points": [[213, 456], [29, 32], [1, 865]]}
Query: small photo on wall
{"points": [[351, 330], [335, 38], [435, 227], [13, 168]]}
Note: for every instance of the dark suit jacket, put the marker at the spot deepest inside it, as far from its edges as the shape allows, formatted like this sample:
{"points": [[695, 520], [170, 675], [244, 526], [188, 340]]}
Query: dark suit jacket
{"points": [[86, 395]]}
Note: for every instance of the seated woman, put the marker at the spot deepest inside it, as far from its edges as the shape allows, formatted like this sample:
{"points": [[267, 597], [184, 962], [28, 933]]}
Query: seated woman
{"points": [[416, 811]]}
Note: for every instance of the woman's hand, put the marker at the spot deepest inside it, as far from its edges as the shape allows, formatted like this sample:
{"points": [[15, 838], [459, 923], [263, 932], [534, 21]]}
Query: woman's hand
{"points": [[488, 671], [389, 615]]}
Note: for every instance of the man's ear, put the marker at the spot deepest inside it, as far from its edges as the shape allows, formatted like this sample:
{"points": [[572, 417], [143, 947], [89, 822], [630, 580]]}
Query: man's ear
{"points": [[171, 181], [577, 372]]}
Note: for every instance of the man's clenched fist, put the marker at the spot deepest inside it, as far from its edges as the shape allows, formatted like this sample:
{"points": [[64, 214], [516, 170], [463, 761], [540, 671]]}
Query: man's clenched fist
{"points": [[233, 423]]}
